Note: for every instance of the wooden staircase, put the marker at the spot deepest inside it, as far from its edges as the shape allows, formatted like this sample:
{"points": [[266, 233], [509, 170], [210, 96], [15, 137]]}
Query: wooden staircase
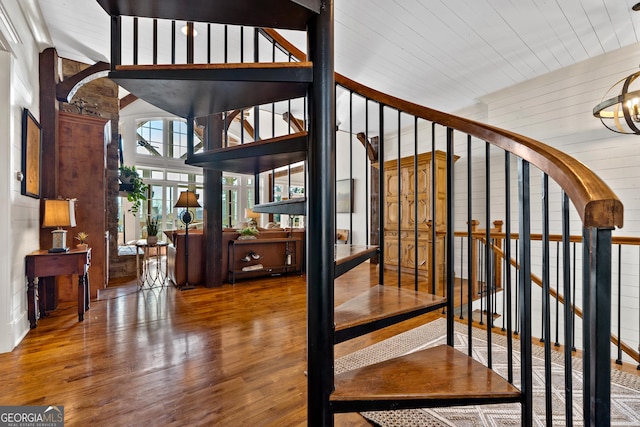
{"points": [[435, 377]]}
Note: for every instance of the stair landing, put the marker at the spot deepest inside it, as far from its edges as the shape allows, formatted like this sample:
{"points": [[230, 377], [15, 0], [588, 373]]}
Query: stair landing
{"points": [[437, 376]]}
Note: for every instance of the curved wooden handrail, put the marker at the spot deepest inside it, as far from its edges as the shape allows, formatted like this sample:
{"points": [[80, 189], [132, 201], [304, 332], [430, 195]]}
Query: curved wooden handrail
{"points": [[597, 205]]}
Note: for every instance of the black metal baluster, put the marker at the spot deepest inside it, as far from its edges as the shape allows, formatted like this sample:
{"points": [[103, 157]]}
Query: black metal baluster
{"points": [[470, 246], [557, 342], [433, 269], [226, 44], [135, 40], [366, 175], [568, 312], [481, 274], [190, 43], [173, 42], [241, 44], [517, 299], [351, 161], [546, 300], [619, 346], [461, 284], [488, 252], [526, 381], [381, 219], [507, 255], [450, 242], [208, 43], [399, 213], [415, 202], [155, 42], [573, 303]]}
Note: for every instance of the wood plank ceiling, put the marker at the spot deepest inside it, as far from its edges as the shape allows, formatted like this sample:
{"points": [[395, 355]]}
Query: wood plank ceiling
{"points": [[440, 53]]}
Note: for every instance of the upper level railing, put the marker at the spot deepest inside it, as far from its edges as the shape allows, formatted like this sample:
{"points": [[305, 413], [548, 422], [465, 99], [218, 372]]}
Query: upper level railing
{"points": [[625, 335]]}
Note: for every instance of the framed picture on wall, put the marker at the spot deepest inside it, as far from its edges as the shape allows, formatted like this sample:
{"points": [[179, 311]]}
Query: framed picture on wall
{"points": [[344, 196], [31, 155]]}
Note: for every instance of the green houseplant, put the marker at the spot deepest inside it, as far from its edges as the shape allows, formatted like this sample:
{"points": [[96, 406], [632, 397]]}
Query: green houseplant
{"points": [[248, 233], [136, 189], [152, 230]]}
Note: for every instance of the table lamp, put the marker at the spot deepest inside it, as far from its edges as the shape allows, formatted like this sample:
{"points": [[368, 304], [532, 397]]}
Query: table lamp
{"points": [[187, 199], [251, 217], [59, 213]]}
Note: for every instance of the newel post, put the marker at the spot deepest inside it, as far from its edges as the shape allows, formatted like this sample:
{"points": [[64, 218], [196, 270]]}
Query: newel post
{"points": [[597, 326]]}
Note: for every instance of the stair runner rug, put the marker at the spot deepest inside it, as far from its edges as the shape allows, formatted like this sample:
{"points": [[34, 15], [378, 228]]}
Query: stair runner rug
{"points": [[625, 387]]}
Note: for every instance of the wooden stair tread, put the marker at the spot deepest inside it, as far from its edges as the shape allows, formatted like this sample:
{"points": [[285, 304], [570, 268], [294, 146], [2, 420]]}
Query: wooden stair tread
{"points": [[435, 376], [297, 206], [350, 256], [274, 14], [196, 90], [255, 157], [379, 307]]}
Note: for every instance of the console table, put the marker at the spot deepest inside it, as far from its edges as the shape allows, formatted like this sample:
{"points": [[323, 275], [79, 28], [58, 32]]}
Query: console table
{"points": [[44, 264], [260, 257]]}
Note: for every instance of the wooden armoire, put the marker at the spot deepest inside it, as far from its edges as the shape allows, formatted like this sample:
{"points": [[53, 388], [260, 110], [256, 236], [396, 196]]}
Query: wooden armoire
{"points": [[400, 221], [82, 142]]}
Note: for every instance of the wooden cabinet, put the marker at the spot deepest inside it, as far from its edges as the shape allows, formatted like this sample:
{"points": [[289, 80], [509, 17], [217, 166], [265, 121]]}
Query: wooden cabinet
{"points": [[82, 142], [407, 185]]}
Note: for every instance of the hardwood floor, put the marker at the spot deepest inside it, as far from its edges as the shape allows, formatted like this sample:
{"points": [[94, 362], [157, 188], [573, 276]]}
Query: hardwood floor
{"points": [[228, 356]]}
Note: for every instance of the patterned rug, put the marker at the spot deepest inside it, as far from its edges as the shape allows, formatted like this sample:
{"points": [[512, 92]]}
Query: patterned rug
{"points": [[625, 387]]}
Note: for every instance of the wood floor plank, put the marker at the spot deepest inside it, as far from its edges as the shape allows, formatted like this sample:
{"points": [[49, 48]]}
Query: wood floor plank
{"points": [[229, 356]]}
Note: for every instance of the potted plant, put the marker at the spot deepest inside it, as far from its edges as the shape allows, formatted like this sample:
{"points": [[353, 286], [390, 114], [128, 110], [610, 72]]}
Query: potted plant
{"points": [[134, 187], [152, 230], [82, 238], [248, 233]]}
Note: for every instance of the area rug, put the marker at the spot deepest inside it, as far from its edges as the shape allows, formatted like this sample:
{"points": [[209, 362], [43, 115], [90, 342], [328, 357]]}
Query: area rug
{"points": [[625, 387]]}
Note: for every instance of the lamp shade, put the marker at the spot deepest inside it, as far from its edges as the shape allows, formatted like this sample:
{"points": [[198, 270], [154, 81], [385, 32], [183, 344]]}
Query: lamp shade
{"points": [[249, 213], [59, 213], [187, 199]]}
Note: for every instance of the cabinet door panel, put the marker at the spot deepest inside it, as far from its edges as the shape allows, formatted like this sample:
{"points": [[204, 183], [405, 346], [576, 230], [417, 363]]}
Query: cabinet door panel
{"points": [[390, 250], [391, 213]]}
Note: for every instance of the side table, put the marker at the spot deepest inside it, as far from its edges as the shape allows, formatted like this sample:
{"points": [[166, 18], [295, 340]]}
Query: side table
{"points": [[151, 273], [44, 264]]}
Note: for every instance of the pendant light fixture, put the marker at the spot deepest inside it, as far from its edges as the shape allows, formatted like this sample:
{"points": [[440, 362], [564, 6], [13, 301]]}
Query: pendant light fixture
{"points": [[619, 110]]}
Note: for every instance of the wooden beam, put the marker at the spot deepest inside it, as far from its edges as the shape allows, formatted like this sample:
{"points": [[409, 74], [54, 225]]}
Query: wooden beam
{"points": [[128, 100], [372, 152], [67, 88], [295, 123]]}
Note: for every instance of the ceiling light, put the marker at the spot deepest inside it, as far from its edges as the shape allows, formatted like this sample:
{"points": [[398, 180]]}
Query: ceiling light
{"points": [[185, 31], [619, 110]]}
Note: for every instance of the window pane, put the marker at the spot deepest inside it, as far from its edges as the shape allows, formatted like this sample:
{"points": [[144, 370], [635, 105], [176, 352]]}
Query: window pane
{"points": [[150, 138]]}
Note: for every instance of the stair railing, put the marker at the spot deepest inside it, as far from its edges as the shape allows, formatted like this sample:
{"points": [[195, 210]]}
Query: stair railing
{"points": [[624, 339], [597, 206]]}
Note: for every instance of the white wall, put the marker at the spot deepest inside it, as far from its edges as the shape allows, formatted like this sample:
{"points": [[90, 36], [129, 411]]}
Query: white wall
{"points": [[356, 157], [557, 109], [19, 218]]}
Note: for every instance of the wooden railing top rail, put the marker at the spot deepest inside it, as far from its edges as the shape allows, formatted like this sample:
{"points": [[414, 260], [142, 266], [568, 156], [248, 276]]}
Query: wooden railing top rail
{"points": [[481, 235], [597, 205]]}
